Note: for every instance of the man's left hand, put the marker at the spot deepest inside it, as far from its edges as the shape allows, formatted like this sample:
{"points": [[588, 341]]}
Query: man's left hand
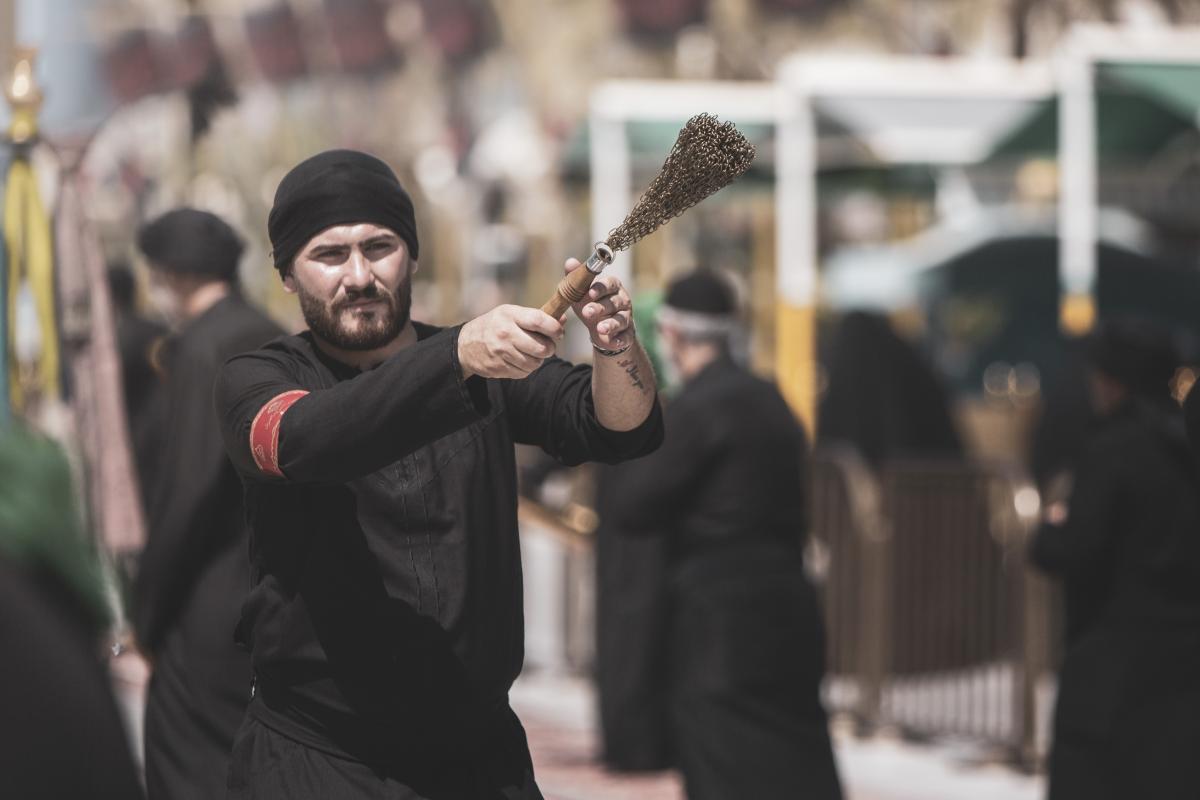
{"points": [[606, 310]]}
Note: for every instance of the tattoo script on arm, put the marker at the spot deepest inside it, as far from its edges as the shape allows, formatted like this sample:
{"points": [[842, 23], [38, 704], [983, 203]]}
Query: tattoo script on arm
{"points": [[632, 370]]}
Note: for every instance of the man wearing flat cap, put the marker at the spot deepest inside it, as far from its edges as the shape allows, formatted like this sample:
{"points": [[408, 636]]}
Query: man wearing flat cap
{"points": [[194, 571], [385, 619]]}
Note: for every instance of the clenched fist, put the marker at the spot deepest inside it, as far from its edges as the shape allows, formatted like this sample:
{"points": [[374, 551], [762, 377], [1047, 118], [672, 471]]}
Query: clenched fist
{"points": [[507, 342], [605, 310]]}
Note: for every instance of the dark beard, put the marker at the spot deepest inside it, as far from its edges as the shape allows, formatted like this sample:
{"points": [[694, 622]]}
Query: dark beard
{"points": [[374, 330]]}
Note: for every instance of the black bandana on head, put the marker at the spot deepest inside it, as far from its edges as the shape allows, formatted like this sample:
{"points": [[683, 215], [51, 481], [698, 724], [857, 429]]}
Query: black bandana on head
{"points": [[337, 187], [191, 242], [701, 292]]}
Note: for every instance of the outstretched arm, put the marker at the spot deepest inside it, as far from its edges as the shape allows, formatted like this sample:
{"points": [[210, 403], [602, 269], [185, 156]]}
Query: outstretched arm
{"points": [[623, 385]]}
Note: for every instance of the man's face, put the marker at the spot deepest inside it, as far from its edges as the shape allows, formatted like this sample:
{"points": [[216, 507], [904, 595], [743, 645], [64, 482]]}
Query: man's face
{"points": [[355, 285], [168, 291]]}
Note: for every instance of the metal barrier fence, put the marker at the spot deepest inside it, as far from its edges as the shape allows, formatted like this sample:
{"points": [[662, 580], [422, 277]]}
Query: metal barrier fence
{"points": [[936, 624]]}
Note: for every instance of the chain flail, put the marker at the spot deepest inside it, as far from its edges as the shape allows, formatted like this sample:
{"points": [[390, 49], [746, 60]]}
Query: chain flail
{"points": [[707, 156]]}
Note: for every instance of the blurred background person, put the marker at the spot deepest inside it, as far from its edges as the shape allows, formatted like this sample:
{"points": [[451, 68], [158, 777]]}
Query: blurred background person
{"points": [[194, 572], [1126, 546], [883, 398], [62, 735], [744, 637]]}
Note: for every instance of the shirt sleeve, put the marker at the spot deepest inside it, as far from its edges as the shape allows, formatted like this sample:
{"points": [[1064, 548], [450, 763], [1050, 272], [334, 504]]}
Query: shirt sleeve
{"points": [[276, 428], [553, 408]]}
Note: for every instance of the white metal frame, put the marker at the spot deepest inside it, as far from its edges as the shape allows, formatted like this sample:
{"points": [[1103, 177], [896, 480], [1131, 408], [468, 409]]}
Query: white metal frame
{"points": [[1083, 49], [806, 79]]}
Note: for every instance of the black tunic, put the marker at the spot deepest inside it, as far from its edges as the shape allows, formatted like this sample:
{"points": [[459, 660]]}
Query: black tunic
{"points": [[631, 625], [385, 625], [727, 489], [194, 572], [1127, 719]]}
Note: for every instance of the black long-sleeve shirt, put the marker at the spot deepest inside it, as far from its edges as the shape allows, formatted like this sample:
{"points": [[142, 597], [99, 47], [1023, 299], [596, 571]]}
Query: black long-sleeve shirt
{"points": [[387, 605]]}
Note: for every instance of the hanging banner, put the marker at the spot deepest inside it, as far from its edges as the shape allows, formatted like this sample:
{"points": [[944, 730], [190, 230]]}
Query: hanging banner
{"points": [[30, 251], [97, 396], [359, 32], [278, 47]]}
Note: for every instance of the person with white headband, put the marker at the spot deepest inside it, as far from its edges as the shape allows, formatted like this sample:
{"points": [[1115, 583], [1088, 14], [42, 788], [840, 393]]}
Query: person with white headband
{"points": [[727, 490]]}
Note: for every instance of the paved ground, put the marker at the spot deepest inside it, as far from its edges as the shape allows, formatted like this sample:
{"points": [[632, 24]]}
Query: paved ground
{"points": [[558, 716]]}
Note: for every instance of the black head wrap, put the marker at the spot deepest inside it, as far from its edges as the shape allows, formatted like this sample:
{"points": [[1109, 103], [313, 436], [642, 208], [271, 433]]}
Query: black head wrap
{"points": [[701, 292], [192, 242], [1138, 354], [337, 187]]}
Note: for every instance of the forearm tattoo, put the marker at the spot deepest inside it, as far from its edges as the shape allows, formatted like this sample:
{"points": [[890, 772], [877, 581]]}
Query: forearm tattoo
{"points": [[633, 370]]}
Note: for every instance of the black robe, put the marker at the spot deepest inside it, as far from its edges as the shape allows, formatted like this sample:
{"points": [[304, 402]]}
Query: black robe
{"points": [[1127, 718], [745, 639], [386, 624], [60, 733], [194, 572], [631, 621]]}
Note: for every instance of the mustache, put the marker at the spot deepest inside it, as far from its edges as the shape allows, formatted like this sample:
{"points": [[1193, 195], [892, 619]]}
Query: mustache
{"points": [[372, 292]]}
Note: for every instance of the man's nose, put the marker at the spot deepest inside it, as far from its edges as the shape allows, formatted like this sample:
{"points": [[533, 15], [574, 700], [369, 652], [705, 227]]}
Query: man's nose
{"points": [[358, 272]]}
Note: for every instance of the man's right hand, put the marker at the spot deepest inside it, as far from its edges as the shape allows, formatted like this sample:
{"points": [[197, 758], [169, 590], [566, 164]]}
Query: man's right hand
{"points": [[507, 342]]}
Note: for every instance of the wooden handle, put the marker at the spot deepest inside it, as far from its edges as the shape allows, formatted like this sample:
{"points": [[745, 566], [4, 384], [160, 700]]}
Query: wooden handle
{"points": [[570, 290]]}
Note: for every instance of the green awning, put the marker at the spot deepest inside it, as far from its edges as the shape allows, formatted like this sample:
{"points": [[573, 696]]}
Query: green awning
{"points": [[1139, 108], [1175, 86]]}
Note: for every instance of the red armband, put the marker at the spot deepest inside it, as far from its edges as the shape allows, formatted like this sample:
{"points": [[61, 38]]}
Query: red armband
{"points": [[264, 431]]}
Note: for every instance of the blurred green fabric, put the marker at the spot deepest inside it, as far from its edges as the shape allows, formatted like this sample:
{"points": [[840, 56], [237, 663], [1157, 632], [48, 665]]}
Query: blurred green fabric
{"points": [[41, 529]]}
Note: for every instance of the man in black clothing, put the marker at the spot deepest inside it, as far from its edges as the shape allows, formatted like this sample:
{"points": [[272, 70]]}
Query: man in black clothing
{"points": [[194, 572], [385, 623], [727, 491], [1126, 546]]}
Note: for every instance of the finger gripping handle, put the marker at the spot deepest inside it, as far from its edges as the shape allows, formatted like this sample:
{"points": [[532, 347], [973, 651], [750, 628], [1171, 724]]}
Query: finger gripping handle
{"points": [[574, 286], [570, 290]]}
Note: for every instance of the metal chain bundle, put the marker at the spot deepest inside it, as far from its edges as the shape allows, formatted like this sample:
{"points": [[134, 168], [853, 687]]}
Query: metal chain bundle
{"points": [[707, 156]]}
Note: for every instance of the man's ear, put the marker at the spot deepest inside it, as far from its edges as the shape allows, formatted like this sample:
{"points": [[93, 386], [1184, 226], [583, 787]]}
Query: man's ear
{"points": [[413, 266], [289, 281]]}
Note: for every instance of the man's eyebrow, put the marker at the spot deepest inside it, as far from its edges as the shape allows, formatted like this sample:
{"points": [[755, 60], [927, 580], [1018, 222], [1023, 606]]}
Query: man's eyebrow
{"points": [[381, 238], [326, 249]]}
